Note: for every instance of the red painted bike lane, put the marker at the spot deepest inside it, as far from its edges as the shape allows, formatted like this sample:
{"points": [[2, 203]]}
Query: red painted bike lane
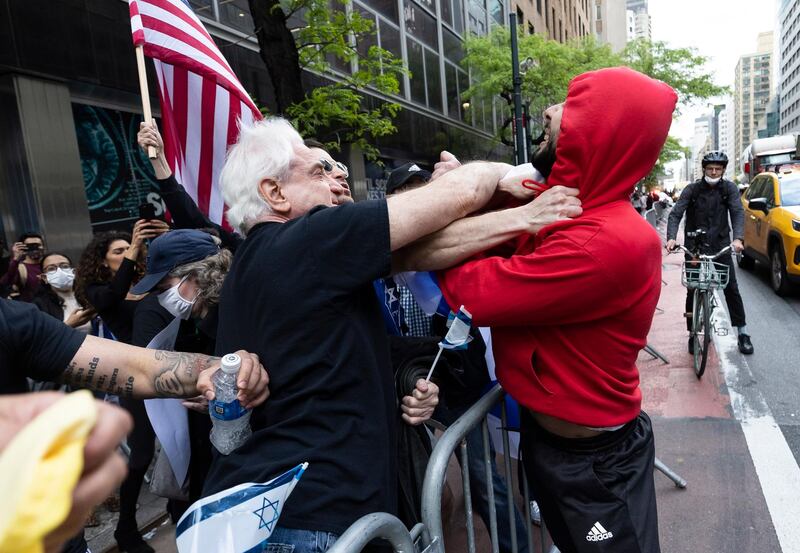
{"points": [[722, 509]]}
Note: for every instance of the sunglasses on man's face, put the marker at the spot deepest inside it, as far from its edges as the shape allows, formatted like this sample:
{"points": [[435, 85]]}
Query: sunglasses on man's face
{"points": [[327, 166]]}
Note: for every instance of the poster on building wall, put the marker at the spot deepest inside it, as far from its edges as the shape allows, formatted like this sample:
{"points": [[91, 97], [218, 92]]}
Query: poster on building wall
{"points": [[117, 175]]}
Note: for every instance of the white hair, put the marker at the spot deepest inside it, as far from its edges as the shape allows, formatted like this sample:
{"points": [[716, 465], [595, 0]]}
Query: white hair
{"points": [[264, 150]]}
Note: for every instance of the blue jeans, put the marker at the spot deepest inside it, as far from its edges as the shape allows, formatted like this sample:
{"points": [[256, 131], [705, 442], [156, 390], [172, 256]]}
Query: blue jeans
{"points": [[477, 481], [290, 540]]}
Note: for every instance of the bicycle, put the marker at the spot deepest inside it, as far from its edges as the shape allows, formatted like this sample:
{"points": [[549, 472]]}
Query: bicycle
{"points": [[703, 275]]}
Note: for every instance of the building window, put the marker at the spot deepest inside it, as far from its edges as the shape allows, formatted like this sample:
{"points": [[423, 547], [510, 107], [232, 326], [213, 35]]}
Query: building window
{"points": [[236, 13], [421, 24], [387, 8]]}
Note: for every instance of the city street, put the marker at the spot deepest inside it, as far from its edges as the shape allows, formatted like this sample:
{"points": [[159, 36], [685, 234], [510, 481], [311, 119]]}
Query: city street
{"points": [[734, 435]]}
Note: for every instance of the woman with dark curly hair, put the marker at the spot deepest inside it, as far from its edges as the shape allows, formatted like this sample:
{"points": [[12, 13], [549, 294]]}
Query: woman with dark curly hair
{"points": [[109, 266]]}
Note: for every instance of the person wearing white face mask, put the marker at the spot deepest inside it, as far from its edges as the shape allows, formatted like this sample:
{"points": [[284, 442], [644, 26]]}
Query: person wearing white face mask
{"points": [[708, 202], [184, 276], [55, 295]]}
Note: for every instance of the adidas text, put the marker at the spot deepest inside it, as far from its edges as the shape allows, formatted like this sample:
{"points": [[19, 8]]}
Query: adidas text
{"points": [[598, 533]]}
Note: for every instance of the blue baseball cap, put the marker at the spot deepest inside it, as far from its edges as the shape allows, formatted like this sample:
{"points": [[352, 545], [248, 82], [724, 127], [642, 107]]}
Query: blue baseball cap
{"points": [[173, 249]]}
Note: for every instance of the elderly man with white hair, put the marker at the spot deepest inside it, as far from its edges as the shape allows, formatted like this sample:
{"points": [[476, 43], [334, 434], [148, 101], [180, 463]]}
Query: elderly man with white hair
{"points": [[299, 294]]}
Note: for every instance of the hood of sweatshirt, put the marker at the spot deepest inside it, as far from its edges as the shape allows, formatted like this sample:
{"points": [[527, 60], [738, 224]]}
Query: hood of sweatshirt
{"points": [[614, 124]]}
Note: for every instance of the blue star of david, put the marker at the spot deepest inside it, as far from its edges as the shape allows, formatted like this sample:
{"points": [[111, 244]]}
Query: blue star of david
{"points": [[262, 522]]}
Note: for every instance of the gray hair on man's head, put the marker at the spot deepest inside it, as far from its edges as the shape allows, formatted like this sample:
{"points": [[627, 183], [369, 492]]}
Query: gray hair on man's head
{"points": [[209, 273], [264, 150]]}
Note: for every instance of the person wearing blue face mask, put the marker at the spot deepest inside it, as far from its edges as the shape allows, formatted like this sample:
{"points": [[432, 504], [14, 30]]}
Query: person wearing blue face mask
{"points": [[184, 276]]}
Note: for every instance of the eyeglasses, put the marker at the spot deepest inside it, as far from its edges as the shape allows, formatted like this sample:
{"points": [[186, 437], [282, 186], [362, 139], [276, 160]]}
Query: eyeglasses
{"points": [[327, 166], [51, 269]]}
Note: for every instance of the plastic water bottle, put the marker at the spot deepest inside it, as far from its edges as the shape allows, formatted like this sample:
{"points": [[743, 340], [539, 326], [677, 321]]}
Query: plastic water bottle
{"points": [[231, 422]]}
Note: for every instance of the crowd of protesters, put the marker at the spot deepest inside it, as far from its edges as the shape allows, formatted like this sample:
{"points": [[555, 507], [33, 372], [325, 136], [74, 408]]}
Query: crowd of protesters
{"points": [[305, 287]]}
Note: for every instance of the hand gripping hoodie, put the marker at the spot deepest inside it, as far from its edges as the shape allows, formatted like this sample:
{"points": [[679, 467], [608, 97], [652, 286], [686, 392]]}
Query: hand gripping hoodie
{"points": [[571, 308]]}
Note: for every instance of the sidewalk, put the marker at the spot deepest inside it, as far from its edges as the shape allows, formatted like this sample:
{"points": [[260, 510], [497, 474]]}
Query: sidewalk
{"points": [[151, 512]]}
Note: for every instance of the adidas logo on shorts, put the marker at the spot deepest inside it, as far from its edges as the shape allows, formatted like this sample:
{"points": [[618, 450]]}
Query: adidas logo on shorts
{"points": [[598, 533]]}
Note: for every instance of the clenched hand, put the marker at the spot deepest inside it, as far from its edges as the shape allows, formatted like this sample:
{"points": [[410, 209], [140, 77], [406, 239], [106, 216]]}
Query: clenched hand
{"points": [[418, 407], [252, 381]]}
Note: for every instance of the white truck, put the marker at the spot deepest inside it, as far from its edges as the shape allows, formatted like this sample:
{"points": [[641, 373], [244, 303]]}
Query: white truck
{"points": [[766, 154]]}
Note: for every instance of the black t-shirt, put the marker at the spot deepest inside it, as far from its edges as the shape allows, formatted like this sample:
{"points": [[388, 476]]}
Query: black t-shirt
{"points": [[109, 301], [300, 295], [32, 344]]}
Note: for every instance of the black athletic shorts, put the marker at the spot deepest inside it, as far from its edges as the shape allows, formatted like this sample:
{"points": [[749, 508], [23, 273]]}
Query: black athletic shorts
{"points": [[596, 494]]}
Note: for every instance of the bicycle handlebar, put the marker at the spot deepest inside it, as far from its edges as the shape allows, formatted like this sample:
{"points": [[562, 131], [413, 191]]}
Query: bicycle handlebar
{"points": [[702, 257]]}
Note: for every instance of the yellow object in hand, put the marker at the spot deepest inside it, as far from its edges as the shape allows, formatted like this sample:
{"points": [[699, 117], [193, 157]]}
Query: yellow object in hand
{"points": [[39, 470]]}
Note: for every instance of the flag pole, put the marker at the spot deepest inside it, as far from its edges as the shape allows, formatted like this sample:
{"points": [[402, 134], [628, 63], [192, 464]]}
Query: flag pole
{"points": [[148, 115], [436, 360]]}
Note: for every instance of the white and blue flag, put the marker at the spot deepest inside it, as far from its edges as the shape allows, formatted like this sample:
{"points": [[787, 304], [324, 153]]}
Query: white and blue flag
{"points": [[425, 289], [458, 324], [237, 520], [429, 297]]}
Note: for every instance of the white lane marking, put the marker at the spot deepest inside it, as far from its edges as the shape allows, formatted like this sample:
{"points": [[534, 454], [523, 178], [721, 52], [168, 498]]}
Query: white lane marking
{"points": [[774, 462]]}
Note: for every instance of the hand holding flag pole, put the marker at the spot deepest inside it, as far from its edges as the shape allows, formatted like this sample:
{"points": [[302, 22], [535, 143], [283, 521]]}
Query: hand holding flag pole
{"points": [[148, 115], [457, 336]]}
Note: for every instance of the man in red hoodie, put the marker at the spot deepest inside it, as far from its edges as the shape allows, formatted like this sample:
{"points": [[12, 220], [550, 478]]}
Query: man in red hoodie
{"points": [[570, 308]]}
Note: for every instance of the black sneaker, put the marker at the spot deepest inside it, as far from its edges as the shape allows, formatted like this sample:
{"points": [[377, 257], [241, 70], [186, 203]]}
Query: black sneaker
{"points": [[745, 345], [691, 345]]}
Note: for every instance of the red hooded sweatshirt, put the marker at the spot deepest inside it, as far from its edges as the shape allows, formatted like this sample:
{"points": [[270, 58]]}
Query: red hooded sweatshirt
{"points": [[571, 308]]}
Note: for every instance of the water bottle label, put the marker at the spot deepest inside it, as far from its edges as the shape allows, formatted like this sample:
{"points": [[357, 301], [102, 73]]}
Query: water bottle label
{"points": [[226, 411]]}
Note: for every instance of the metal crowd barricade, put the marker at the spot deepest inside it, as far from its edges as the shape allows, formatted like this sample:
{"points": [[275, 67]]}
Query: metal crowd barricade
{"points": [[433, 484], [428, 537], [651, 217]]}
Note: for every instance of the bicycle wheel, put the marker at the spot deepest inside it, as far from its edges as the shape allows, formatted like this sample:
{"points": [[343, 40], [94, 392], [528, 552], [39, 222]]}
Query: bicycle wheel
{"points": [[698, 320], [705, 341]]}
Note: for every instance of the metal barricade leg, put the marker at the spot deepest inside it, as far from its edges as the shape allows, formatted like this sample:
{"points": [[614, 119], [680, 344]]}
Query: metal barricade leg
{"points": [[669, 473], [467, 497], [655, 353], [509, 477], [489, 488]]}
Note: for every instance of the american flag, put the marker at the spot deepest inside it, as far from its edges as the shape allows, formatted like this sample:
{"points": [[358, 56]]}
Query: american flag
{"points": [[201, 98]]}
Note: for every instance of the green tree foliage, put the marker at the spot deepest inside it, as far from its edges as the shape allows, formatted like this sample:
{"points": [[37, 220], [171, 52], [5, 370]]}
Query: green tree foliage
{"points": [[331, 40], [673, 150], [682, 68], [555, 64]]}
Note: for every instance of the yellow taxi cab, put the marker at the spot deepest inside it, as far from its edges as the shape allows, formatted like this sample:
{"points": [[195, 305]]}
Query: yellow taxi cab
{"points": [[772, 226]]}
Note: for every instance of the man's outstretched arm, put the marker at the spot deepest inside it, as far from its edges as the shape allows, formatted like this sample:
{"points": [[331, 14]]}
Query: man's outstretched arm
{"points": [[466, 237], [129, 371], [455, 195]]}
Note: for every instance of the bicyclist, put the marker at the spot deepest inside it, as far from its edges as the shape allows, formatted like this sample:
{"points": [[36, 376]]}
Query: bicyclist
{"points": [[707, 203]]}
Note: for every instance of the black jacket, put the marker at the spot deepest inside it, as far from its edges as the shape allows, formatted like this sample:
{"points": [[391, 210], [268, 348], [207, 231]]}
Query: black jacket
{"points": [[707, 207], [49, 302], [186, 214]]}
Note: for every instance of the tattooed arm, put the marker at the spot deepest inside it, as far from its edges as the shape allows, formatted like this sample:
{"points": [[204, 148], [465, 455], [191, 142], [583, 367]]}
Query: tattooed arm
{"points": [[128, 371]]}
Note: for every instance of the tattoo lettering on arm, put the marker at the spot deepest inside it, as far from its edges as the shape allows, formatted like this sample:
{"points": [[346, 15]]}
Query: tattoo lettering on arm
{"points": [[74, 376], [178, 376]]}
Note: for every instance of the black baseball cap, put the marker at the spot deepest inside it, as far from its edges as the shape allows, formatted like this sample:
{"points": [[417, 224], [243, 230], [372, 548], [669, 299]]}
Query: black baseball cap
{"points": [[173, 249], [400, 176]]}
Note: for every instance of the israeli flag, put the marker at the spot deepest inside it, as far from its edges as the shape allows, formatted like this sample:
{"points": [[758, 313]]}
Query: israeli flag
{"points": [[457, 336], [428, 296], [237, 520], [425, 289]]}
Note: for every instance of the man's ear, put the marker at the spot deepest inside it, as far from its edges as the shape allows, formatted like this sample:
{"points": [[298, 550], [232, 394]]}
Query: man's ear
{"points": [[272, 193]]}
